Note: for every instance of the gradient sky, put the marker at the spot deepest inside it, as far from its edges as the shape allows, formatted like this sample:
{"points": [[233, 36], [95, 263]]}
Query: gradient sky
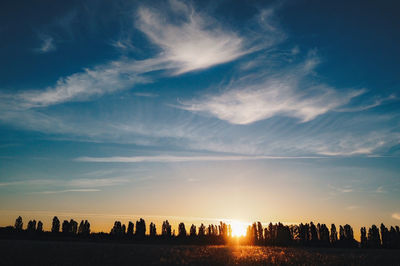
{"points": [[273, 111]]}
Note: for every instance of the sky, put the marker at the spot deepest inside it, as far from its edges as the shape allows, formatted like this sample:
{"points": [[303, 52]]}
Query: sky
{"points": [[200, 111]]}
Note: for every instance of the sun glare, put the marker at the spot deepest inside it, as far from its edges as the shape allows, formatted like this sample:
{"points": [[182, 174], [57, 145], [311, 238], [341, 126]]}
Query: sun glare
{"points": [[238, 228]]}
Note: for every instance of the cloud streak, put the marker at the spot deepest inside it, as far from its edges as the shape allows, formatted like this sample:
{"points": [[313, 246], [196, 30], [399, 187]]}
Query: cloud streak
{"points": [[74, 183], [174, 159], [69, 190], [193, 43], [108, 78], [396, 216], [47, 44], [254, 98], [196, 42]]}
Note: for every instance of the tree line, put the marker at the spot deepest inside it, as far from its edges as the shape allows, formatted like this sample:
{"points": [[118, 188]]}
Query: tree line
{"points": [[309, 234], [67, 228]]}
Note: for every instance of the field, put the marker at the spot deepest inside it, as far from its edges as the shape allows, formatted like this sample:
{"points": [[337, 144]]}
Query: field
{"points": [[27, 252]]}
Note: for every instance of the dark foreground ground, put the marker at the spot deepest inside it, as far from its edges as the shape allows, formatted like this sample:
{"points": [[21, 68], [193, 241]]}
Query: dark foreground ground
{"points": [[29, 252]]}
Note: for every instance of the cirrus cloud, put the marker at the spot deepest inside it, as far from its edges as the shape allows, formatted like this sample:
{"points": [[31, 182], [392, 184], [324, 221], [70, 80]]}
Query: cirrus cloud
{"points": [[195, 42], [254, 98], [396, 216]]}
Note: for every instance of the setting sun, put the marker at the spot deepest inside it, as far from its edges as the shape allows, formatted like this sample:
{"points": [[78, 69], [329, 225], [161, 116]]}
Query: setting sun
{"points": [[238, 228]]}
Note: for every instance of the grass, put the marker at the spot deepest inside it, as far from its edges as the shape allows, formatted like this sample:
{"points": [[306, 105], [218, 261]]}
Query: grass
{"points": [[28, 252]]}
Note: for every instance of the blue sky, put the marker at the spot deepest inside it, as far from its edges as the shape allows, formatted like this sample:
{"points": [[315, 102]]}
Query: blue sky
{"points": [[171, 103]]}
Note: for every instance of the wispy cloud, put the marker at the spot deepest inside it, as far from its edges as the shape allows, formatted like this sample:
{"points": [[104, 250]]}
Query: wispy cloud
{"points": [[100, 80], [145, 94], [69, 190], [346, 189], [123, 44], [254, 98], [349, 145], [98, 182], [195, 42], [367, 106], [171, 158], [279, 90], [352, 207], [396, 216], [380, 189], [346, 153], [74, 183], [27, 182], [47, 44]]}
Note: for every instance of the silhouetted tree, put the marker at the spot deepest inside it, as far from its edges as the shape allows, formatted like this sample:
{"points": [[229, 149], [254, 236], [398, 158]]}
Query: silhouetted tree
{"points": [[131, 228], [214, 230], [393, 238], [153, 231], [81, 228], [55, 227], [266, 236], [181, 230], [294, 231], [363, 242], [84, 228], [166, 229], [333, 236], [283, 237], [348, 232], [341, 233], [260, 233], [65, 228], [39, 228], [251, 233], [313, 233], [140, 228], [87, 227], [123, 229], [31, 226], [374, 240], [117, 230], [193, 230], [73, 227], [223, 230], [323, 233], [347, 237], [18, 224], [303, 234], [273, 234], [202, 230], [385, 236]]}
